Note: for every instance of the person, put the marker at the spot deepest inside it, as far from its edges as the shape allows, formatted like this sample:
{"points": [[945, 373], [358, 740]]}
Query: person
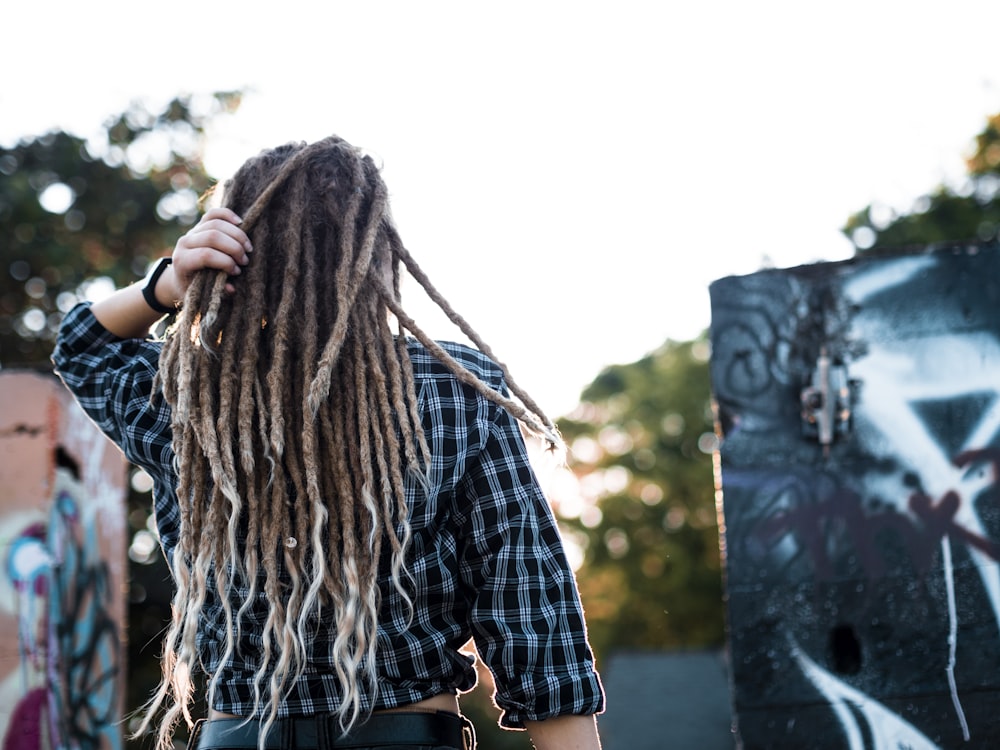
{"points": [[343, 501]]}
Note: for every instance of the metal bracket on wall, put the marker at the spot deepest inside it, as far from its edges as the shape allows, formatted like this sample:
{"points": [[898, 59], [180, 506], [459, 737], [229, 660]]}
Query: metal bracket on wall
{"points": [[826, 402]]}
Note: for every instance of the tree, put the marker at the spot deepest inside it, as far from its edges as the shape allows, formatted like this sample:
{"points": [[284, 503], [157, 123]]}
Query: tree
{"points": [[81, 212], [78, 210], [969, 212], [642, 512], [641, 442]]}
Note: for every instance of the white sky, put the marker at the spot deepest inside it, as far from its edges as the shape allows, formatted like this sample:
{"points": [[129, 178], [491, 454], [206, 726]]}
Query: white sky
{"points": [[572, 175]]}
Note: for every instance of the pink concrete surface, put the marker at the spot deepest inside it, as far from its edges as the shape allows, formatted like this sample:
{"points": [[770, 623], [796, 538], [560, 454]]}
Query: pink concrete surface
{"points": [[61, 563]]}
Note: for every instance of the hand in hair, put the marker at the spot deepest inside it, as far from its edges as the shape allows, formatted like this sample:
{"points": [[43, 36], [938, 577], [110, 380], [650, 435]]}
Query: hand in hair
{"points": [[214, 242]]}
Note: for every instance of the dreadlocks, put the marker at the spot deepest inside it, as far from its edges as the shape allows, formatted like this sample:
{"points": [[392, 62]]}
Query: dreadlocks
{"points": [[295, 422]]}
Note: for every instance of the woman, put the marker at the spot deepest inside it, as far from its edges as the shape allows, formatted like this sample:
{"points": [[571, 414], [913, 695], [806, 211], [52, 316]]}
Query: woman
{"points": [[343, 502]]}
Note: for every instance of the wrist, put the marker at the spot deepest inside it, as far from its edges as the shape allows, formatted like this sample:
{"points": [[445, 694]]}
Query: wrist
{"points": [[160, 290], [167, 291]]}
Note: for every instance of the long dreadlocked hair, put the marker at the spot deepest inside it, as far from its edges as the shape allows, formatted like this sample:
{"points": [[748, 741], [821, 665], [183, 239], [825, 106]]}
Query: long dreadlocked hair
{"points": [[295, 420]]}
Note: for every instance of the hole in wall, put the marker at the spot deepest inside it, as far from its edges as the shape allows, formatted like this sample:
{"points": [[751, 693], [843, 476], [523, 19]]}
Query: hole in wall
{"points": [[845, 649], [66, 461]]}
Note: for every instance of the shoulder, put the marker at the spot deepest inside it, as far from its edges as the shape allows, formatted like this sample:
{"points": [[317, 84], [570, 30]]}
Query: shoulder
{"points": [[427, 365]]}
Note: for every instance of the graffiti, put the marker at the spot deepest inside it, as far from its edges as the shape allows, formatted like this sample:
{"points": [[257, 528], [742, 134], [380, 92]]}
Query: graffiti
{"points": [[926, 538], [887, 729], [813, 524], [68, 642], [885, 548]]}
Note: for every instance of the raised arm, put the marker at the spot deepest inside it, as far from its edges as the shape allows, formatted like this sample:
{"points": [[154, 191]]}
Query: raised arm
{"points": [[214, 242]]}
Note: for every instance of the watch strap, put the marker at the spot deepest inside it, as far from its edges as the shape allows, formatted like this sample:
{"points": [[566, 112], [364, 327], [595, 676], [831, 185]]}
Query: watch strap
{"points": [[148, 291]]}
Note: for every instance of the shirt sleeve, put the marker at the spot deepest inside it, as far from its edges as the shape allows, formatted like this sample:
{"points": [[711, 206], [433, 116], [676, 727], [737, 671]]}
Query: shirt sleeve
{"points": [[527, 617], [113, 381]]}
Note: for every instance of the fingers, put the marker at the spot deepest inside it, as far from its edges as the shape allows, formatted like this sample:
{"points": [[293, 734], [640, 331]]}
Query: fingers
{"points": [[221, 232], [220, 212], [216, 242], [214, 246]]}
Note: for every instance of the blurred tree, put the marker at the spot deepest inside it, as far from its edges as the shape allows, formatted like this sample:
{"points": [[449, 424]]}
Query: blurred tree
{"points": [[947, 214], [77, 210], [77, 213], [640, 448]]}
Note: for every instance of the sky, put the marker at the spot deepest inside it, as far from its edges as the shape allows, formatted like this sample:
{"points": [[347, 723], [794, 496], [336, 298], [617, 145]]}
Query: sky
{"points": [[571, 175]]}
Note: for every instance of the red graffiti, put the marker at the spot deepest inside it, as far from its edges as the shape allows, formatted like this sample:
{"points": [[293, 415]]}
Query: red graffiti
{"points": [[843, 514]]}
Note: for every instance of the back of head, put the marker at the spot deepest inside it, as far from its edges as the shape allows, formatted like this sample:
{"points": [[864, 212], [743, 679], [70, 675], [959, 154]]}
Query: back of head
{"points": [[295, 421], [286, 397], [319, 218]]}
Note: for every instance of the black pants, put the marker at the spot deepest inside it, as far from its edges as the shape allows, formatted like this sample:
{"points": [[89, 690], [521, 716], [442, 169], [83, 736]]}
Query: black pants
{"points": [[398, 730]]}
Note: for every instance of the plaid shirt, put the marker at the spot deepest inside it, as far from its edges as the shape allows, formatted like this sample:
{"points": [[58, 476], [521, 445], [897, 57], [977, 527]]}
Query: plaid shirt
{"points": [[486, 556]]}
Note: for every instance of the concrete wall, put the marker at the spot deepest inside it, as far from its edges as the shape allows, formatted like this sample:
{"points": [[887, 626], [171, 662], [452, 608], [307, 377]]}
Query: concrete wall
{"points": [[861, 530], [62, 572]]}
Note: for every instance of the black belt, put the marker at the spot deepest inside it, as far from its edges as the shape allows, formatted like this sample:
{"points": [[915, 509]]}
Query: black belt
{"points": [[398, 728]]}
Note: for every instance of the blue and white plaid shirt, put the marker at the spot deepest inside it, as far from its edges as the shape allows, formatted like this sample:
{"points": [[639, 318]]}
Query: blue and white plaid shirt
{"points": [[486, 557]]}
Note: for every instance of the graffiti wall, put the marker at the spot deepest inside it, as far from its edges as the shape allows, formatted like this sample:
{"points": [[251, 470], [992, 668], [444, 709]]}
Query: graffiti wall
{"points": [[62, 572], [859, 409]]}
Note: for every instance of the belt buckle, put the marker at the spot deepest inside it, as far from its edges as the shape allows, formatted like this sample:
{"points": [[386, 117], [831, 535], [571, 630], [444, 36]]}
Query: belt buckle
{"points": [[468, 733], [192, 743]]}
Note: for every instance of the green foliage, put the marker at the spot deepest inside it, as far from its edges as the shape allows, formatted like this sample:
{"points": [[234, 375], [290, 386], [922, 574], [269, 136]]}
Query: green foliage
{"points": [[641, 443], [968, 213], [74, 210], [642, 436]]}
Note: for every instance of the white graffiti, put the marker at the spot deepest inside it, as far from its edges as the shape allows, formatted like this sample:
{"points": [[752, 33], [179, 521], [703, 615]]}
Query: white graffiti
{"points": [[895, 376], [949, 579], [99, 484], [889, 731]]}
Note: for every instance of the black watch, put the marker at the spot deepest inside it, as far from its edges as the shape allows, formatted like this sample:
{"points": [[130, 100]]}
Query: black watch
{"points": [[148, 293]]}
